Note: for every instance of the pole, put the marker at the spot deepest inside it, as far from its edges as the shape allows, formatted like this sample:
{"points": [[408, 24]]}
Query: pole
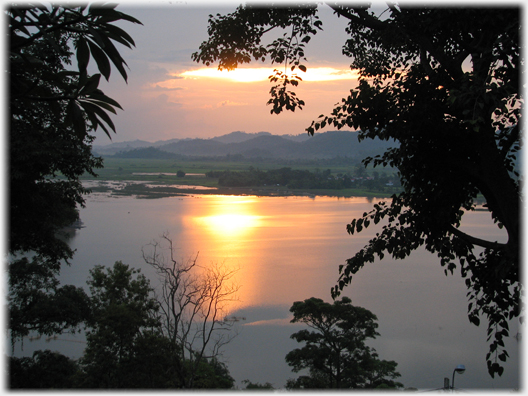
{"points": [[458, 369]]}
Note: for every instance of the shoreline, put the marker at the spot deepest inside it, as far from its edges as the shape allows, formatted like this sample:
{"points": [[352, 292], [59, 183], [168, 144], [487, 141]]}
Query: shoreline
{"points": [[147, 190]]}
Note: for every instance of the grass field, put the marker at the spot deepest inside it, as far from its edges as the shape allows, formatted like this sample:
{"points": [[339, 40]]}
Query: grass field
{"points": [[124, 168]]}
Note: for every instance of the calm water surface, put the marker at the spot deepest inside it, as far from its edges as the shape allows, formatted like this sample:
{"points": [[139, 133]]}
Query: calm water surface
{"points": [[289, 249]]}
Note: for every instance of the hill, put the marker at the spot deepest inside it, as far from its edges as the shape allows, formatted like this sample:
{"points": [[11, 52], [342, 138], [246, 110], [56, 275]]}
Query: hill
{"points": [[257, 145], [146, 152], [238, 137]]}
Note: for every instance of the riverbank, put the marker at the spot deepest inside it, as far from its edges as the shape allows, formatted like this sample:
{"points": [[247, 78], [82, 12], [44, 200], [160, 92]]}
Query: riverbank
{"points": [[149, 190], [157, 178]]}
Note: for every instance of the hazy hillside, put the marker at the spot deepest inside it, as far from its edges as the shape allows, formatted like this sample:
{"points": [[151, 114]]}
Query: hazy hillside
{"points": [[114, 148], [205, 147], [147, 152], [270, 146], [263, 144], [341, 143], [238, 137], [301, 137], [164, 142]]}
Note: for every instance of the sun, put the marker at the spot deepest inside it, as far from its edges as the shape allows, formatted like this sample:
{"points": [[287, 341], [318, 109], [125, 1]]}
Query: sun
{"points": [[231, 223]]}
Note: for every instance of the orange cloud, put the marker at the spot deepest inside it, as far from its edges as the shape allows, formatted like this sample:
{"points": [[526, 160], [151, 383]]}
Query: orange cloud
{"points": [[230, 103], [257, 74]]}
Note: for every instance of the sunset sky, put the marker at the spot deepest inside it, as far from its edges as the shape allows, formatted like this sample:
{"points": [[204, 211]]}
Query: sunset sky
{"points": [[170, 96]]}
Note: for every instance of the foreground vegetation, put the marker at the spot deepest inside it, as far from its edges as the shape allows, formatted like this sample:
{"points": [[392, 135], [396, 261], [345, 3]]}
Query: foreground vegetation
{"points": [[140, 339], [134, 341]]}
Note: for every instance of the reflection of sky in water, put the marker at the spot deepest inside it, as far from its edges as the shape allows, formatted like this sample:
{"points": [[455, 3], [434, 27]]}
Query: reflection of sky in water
{"points": [[289, 249]]}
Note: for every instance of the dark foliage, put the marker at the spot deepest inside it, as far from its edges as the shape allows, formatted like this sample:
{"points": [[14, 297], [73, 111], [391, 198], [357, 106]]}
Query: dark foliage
{"points": [[45, 370], [301, 179], [335, 352], [53, 110], [127, 348], [444, 83]]}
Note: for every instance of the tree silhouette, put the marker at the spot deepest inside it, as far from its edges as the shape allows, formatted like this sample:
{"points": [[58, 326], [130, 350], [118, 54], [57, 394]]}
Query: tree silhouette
{"points": [[335, 352], [193, 302], [54, 107], [443, 82]]}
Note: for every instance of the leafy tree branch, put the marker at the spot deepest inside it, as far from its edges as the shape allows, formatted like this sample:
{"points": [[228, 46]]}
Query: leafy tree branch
{"points": [[443, 83]]}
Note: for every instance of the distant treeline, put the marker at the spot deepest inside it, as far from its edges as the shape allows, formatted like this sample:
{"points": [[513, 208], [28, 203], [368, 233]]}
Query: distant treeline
{"points": [[300, 179]]}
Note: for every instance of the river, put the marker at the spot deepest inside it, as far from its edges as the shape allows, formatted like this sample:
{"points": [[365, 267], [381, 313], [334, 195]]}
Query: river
{"points": [[289, 249]]}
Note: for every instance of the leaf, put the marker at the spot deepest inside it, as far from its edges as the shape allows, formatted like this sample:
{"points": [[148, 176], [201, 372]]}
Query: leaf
{"points": [[91, 85], [351, 227], [75, 118], [99, 96], [119, 35], [83, 54], [100, 8], [114, 56], [475, 320], [359, 225], [91, 116], [100, 104], [97, 111], [101, 59]]}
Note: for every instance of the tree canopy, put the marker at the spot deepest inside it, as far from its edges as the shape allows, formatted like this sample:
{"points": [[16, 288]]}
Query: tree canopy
{"points": [[335, 352], [444, 83], [126, 344], [125, 347], [44, 370], [55, 105]]}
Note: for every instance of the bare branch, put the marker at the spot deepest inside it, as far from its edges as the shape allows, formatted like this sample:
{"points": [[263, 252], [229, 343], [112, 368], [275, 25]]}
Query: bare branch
{"points": [[193, 302]]}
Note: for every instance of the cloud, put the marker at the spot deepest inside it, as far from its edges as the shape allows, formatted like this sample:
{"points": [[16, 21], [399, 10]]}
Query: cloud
{"points": [[178, 56], [259, 74], [230, 103], [158, 87], [270, 322], [164, 100], [167, 83]]}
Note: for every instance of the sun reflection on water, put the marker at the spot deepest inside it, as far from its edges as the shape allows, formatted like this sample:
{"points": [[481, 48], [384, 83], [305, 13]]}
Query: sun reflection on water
{"points": [[231, 216], [230, 224], [226, 225]]}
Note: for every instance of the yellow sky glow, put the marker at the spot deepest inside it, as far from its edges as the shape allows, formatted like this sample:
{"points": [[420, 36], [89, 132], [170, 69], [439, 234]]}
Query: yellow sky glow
{"points": [[262, 74]]}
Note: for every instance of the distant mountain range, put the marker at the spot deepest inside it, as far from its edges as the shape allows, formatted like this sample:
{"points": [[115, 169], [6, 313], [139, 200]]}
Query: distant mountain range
{"points": [[253, 145]]}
